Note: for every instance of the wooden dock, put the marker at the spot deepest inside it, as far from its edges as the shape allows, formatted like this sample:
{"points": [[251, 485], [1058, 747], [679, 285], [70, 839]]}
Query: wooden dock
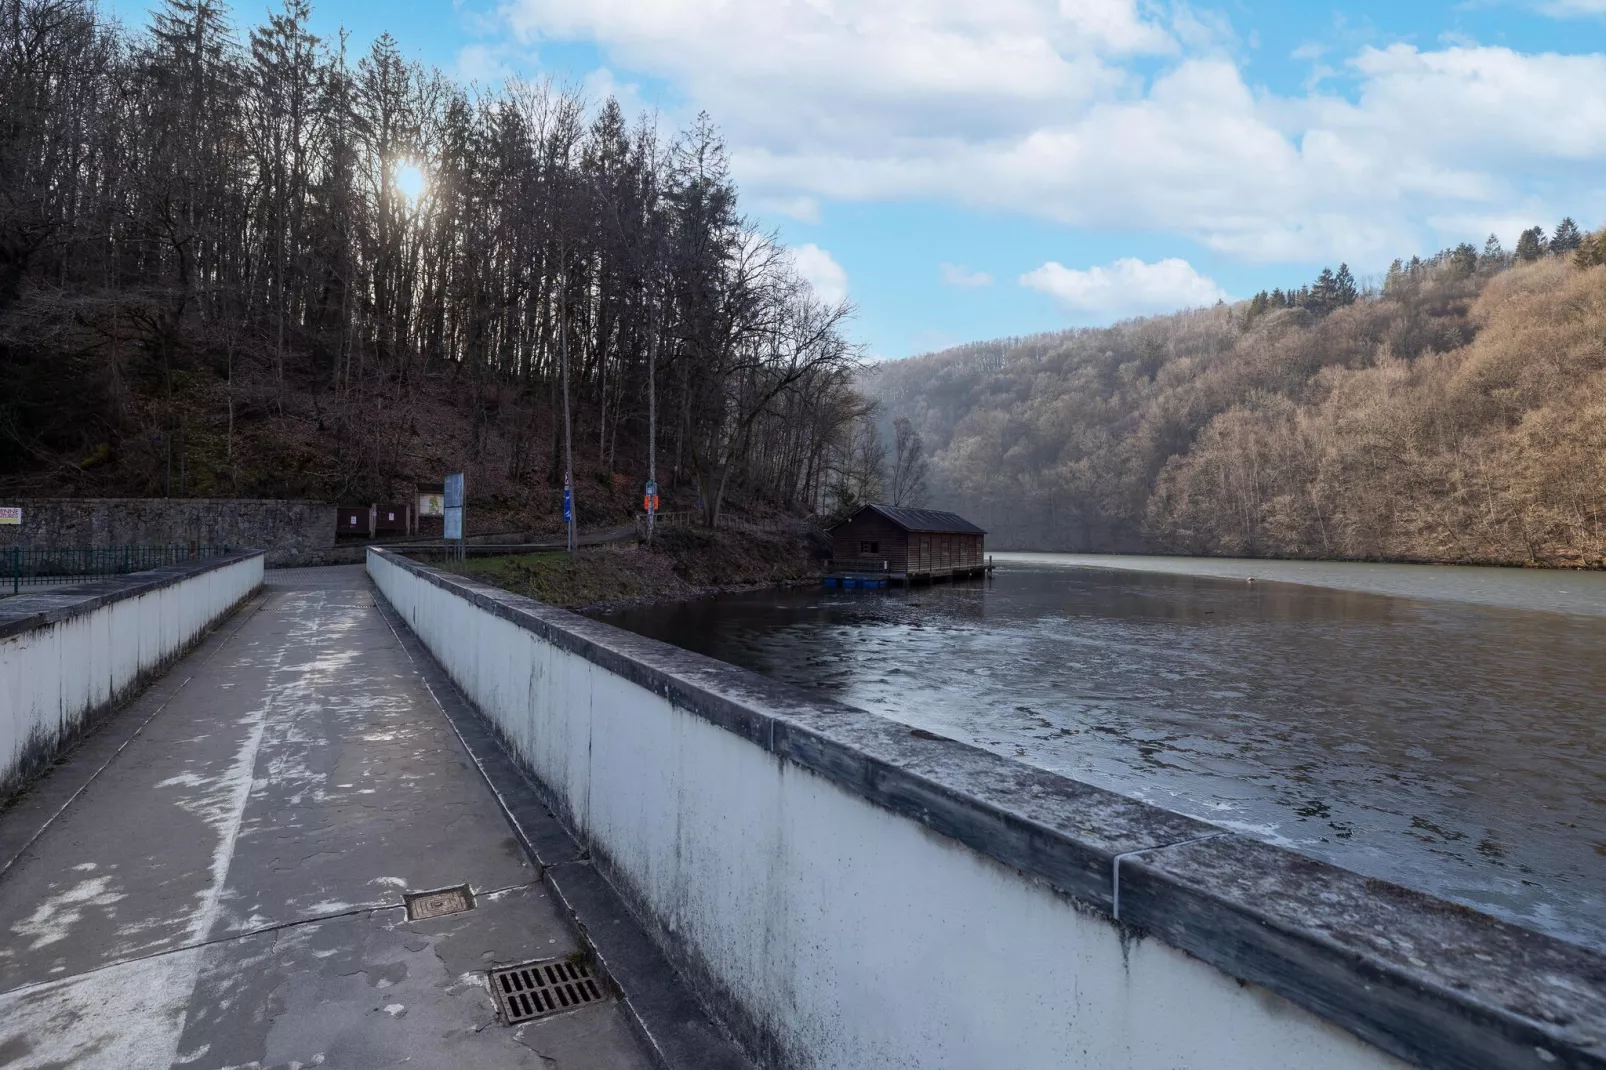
{"points": [[906, 579]]}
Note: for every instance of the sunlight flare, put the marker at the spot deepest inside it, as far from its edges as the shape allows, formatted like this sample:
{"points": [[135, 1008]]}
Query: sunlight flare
{"points": [[411, 181]]}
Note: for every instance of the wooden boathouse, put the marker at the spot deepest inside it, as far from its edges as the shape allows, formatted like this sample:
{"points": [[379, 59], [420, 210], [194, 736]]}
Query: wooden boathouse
{"points": [[883, 544]]}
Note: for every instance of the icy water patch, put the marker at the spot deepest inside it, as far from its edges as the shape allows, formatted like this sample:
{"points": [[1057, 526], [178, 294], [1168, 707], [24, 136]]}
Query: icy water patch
{"points": [[1446, 743]]}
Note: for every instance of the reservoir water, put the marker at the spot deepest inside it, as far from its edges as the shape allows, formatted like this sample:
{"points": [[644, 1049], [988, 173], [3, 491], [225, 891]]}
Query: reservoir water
{"points": [[1443, 728]]}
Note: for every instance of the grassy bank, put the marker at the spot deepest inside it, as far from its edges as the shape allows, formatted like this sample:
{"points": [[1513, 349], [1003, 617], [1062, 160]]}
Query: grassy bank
{"points": [[681, 563]]}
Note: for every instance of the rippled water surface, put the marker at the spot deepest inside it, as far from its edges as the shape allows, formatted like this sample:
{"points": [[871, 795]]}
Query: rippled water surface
{"points": [[1457, 746]]}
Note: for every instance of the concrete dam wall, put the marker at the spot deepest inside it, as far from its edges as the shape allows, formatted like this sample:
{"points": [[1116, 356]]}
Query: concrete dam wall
{"points": [[69, 656], [843, 891]]}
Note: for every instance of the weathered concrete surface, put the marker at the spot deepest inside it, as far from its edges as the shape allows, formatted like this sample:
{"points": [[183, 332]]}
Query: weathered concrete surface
{"points": [[70, 658], [852, 893], [226, 891]]}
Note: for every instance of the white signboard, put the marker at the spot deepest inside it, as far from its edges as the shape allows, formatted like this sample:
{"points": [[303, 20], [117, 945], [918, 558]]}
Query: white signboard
{"points": [[10, 514], [432, 505]]}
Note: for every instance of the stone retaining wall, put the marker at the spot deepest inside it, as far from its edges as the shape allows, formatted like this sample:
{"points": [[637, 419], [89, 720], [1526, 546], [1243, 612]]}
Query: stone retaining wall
{"points": [[291, 532]]}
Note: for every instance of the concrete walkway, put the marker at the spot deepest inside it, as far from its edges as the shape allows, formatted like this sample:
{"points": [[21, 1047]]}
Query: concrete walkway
{"points": [[227, 890]]}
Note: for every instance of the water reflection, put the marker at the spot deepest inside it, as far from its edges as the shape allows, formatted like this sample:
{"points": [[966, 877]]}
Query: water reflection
{"points": [[1456, 748]]}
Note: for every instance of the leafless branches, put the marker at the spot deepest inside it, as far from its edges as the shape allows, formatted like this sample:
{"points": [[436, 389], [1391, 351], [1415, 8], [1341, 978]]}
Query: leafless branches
{"points": [[365, 227]]}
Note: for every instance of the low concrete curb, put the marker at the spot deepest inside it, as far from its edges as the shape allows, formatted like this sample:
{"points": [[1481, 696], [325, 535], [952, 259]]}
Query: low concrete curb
{"points": [[23, 614], [670, 1021]]}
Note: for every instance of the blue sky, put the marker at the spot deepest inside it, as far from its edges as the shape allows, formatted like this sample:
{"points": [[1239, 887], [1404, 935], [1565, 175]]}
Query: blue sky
{"points": [[967, 170]]}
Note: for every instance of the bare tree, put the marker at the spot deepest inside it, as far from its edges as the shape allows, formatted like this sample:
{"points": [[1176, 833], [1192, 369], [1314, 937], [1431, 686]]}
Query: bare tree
{"points": [[287, 267], [909, 467], [856, 464]]}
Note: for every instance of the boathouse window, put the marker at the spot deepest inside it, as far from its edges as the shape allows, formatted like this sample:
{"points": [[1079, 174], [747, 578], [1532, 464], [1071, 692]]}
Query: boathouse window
{"points": [[869, 547]]}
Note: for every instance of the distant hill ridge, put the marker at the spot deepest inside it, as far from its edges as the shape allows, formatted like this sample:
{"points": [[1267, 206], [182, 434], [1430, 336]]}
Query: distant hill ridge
{"points": [[1458, 414]]}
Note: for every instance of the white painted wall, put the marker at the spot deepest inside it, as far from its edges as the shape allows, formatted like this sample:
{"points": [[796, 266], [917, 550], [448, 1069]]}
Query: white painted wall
{"points": [[858, 938], [54, 676]]}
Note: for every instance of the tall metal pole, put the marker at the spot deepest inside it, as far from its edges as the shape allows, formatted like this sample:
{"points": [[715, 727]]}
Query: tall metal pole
{"points": [[568, 446], [652, 432]]}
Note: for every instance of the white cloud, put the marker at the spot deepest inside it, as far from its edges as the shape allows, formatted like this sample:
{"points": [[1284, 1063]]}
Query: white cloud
{"points": [[861, 70], [1128, 287], [1571, 9], [485, 65], [603, 83], [1113, 26], [1506, 226], [802, 209], [1036, 106], [958, 275], [823, 273], [488, 65]]}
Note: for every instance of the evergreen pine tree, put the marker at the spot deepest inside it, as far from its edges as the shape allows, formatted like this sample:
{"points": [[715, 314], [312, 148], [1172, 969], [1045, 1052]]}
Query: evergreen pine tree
{"points": [[1258, 306], [1494, 254], [1395, 277], [1531, 244], [1567, 237], [1344, 289], [1591, 249], [1323, 293]]}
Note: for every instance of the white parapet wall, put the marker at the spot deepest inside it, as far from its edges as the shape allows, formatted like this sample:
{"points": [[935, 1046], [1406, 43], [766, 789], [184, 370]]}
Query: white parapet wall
{"points": [[70, 655], [847, 893]]}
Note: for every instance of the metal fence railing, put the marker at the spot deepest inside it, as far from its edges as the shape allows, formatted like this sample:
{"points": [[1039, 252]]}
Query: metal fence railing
{"points": [[691, 518], [667, 519], [31, 567]]}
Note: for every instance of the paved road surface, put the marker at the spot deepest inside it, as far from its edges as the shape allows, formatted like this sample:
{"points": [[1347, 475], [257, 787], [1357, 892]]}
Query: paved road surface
{"points": [[227, 892]]}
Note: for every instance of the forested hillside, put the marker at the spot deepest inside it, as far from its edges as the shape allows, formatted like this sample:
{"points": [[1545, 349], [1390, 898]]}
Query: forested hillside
{"points": [[253, 262], [1458, 414]]}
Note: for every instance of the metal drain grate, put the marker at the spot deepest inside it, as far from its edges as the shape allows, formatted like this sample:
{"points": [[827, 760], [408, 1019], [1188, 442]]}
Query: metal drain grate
{"points": [[539, 989], [421, 905]]}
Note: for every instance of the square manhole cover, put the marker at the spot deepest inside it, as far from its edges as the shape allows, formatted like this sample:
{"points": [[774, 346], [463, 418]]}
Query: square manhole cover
{"points": [[421, 905], [539, 989]]}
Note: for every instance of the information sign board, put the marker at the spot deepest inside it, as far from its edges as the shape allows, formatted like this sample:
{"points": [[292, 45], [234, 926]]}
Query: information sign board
{"points": [[453, 506]]}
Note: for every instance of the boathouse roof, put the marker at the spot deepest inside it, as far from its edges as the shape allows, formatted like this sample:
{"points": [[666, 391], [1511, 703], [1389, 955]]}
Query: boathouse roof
{"points": [[924, 520]]}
